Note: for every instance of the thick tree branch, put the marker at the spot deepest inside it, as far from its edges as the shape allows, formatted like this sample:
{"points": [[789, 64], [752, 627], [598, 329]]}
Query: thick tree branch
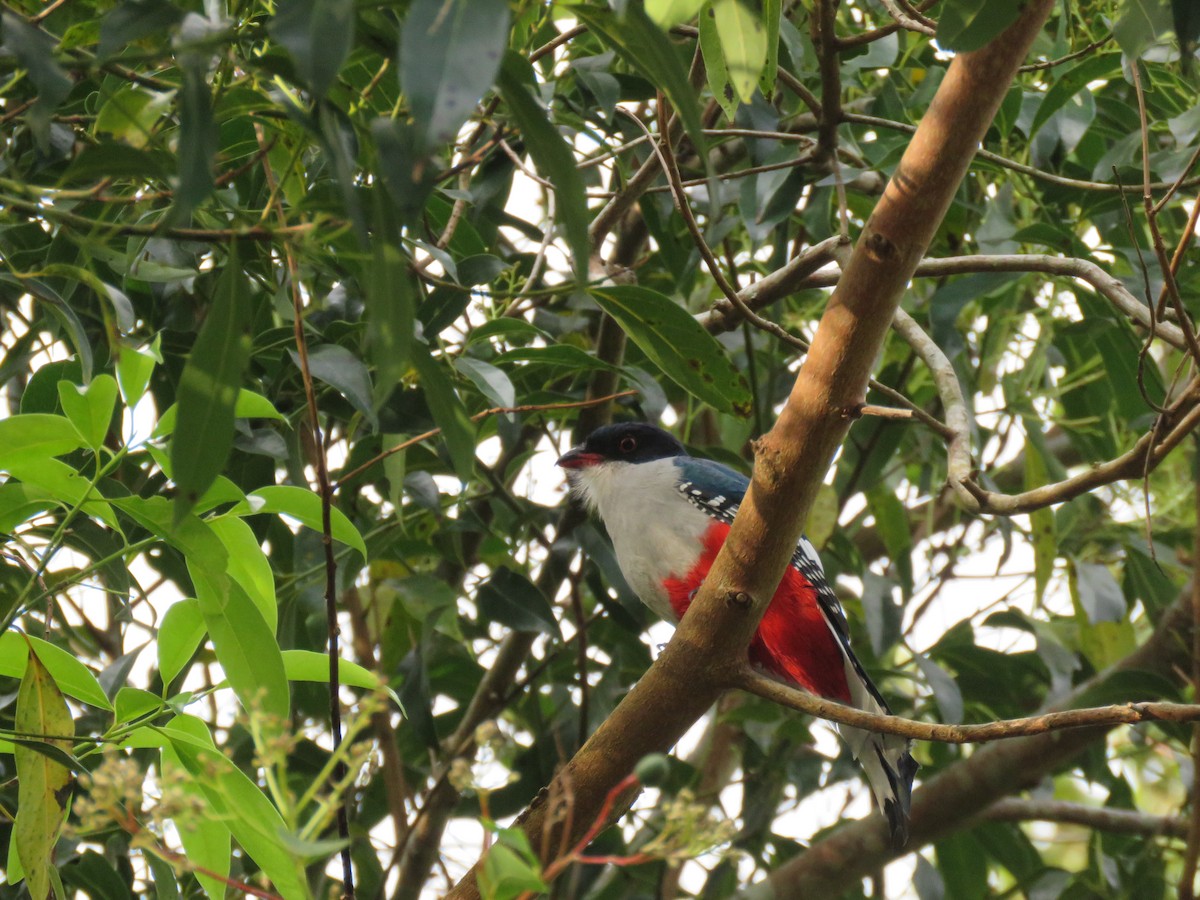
{"points": [[953, 797], [710, 645]]}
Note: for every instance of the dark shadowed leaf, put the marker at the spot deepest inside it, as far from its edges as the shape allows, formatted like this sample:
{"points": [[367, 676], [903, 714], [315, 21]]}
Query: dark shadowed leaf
{"points": [[390, 310], [208, 389], [345, 373], [449, 53], [677, 344], [513, 600], [198, 138], [133, 20], [969, 24], [34, 50], [448, 411], [643, 46], [552, 156], [318, 35]]}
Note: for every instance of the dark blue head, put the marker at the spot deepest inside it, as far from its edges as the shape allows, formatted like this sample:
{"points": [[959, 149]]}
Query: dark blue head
{"points": [[631, 442]]}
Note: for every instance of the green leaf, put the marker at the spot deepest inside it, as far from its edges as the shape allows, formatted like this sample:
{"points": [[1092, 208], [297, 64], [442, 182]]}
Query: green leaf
{"points": [[245, 647], [510, 868], [450, 51], [63, 312], [133, 703], [36, 436], [491, 381], [1140, 26], [553, 158], [678, 345], [714, 62], [62, 482], [248, 405], [205, 838], [744, 44], [1067, 85], [308, 665], [565, 356], [198, 140], [448, 411], [643, 46], [305, 506], [43, 785], [391, 311], [131, 114], [34, 50], [134, 368], [892, 524], [133, 20], [180, 633], [240, 805], [513, 600], [208, 389], [72, 677], [1041, 521], [90, 408], [965, 25], [345, 373], [19, 503], [667, 13], [318, 36], [772, 12], [248, 565]]}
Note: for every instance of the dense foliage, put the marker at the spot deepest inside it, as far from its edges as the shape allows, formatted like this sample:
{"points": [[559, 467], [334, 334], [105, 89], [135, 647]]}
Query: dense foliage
{"points": [[413, 218]]}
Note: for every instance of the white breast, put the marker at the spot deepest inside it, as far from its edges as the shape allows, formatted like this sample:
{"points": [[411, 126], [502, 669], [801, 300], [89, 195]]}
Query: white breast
{"points": [[655, 532]]}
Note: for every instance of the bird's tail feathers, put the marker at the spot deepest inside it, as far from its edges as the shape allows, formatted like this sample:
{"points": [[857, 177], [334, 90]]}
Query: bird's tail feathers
{"points": [[885, 758]]}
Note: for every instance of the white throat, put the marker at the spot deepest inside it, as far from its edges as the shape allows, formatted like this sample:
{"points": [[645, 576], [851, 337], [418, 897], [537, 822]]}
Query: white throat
{"points": [[655, 532]]}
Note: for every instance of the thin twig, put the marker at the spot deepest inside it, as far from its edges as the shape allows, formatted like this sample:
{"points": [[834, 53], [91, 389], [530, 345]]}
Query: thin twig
{"points": [[1120, 714], [667, 158], [908, 22], [325, 489], [1005, 162], [1051, 63], [493, 411], [1187, 881]]}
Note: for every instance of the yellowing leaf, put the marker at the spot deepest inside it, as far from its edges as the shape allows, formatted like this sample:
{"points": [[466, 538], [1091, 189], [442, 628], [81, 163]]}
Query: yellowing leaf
{"points": [[744, 43], [43, 785]]}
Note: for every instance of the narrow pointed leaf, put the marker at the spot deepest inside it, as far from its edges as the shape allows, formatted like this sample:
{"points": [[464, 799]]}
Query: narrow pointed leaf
{"points": [[44, 785], [449, 53], [208, 389], [677, 344], [553, 158]]}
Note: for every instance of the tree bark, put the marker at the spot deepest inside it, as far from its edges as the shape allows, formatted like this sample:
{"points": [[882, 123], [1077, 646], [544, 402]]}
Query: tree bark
{"points": [[709, 647]]}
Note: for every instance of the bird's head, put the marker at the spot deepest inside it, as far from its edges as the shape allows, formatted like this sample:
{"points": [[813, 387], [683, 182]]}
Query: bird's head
{"points": [[625, 442]]}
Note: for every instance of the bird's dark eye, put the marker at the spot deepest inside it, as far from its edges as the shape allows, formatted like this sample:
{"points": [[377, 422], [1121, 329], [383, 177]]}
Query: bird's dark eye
{"points": [[628, 444]]}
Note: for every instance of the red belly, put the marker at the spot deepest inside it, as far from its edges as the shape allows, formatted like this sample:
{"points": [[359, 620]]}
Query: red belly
{"points": [[793, 640]]}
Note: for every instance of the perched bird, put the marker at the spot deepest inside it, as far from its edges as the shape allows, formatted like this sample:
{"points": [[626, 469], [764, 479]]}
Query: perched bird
{"points": [[668, 514]]}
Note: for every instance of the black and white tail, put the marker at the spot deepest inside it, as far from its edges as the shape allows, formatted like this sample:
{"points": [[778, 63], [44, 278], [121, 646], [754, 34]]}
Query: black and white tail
{"points": [[885, 758]]}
